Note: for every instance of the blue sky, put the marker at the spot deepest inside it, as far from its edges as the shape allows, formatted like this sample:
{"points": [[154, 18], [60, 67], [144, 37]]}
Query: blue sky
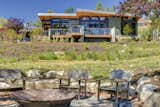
{"points": [[28, 9]]}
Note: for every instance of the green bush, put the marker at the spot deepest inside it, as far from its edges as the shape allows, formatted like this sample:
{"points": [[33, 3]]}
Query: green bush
{"points": [[71, 55], [10, 35], [127, 29], [35, 33], [48, 56], [145, 34]]}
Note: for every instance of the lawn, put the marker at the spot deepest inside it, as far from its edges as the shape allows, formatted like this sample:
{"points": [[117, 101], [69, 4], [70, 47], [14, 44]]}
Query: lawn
{"points": [[96, 58]]}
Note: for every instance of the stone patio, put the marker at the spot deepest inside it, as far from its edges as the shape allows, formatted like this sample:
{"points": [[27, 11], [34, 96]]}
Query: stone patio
{"points": [[91, 102]]}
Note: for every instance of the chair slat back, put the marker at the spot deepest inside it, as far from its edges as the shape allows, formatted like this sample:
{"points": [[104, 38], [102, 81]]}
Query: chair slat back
{"points": [[78, 75], [121, 74]]}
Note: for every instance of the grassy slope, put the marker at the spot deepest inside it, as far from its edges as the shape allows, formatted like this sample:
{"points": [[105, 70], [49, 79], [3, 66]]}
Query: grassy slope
{"points": [[133, 56]]}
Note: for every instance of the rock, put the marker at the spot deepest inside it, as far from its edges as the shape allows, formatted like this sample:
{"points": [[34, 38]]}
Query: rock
{"points": [[145, 88], [10, 78], [8, 103], [51, 74], [92, 87], [60, 73], [4, 85], [10, 74], [141, 82], [47, 84], [91, 102], [42, 84], [33, 74], [156, 78], [152, 100], [30, 85], [147, 91], [60, 53]]}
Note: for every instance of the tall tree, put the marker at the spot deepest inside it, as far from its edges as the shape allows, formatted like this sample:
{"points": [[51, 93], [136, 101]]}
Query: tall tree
{"points": [[2, 22], [149, 8], [50, 11], [99, 6], [15, 23], [112, 9], [69, 10]]}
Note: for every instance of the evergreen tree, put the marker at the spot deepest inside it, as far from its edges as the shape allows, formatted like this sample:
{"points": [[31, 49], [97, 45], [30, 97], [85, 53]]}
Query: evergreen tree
{"points": [[69, 10], [2, 22], [50, 11], [99, 6]]}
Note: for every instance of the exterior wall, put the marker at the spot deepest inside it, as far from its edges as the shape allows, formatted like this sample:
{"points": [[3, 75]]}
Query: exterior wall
{"points": [[115, 22]]}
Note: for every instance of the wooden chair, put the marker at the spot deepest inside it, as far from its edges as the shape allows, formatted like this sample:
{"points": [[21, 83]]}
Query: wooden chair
{"points": [[119, 83], [80, 77]]}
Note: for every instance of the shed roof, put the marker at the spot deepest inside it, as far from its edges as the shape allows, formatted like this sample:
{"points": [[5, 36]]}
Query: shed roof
{"points": [[80, 13]]}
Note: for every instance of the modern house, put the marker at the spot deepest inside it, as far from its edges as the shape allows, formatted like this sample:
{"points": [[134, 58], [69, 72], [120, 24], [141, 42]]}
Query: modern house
{"points": [[90, 25]]}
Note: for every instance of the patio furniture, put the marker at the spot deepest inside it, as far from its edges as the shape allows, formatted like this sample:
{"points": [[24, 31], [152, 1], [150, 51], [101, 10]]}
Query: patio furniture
{"points": [[79, 77], [119, 83], [43, 98]]}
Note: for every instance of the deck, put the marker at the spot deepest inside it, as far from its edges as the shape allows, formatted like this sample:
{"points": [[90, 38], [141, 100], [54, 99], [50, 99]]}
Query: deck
{"points": [[78, 36]]}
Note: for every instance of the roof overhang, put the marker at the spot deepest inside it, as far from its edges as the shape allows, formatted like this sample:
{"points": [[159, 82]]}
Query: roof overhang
{"points": [[48, 16], [82, 13]]}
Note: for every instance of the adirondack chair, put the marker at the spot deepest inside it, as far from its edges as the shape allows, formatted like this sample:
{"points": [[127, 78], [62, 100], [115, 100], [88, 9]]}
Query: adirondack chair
{"points": [[119, 83], [80, 77]]}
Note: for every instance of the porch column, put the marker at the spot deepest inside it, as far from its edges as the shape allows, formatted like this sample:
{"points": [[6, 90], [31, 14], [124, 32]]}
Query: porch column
{"points": [[49, 33], [113, 34], [82, 33]]}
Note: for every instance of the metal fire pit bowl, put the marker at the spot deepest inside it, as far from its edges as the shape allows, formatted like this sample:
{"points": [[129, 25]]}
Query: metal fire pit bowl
{"points": [[44, 98]]}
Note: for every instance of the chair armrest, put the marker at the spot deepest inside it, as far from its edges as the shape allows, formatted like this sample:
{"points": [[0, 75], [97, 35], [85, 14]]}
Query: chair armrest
{"points": [[101, 79], [119, 80]]}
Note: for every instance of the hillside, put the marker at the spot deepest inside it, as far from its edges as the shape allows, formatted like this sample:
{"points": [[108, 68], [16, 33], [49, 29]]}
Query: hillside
{"points": [[97, 58]]}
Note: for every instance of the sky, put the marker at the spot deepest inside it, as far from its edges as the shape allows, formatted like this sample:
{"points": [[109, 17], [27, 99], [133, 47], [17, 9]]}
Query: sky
{"points": [[28, 9]]}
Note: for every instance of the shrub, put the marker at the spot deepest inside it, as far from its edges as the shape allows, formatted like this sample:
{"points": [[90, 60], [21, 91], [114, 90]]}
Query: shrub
{"points": [[19, 37], [72, 55], [127, 29], [15, 24], [48, 56], [11, 35], [35, 33], [145, 34]]}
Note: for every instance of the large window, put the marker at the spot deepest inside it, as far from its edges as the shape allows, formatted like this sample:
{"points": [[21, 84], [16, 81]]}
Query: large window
{"points": [[94, 22]]}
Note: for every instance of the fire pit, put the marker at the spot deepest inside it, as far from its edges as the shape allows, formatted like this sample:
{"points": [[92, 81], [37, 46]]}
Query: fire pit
{"points": [[44, 98]]}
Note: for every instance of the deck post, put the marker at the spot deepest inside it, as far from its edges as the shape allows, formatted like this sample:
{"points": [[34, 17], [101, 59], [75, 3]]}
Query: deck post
{"points": [[113, 34], [49, 34], [82, 33]]}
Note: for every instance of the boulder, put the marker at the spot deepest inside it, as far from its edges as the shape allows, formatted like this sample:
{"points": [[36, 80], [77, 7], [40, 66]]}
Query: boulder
{"points": [[30, 84], [152, 100], [145, 88], [10, 78], [8, 103], [60, 73], [10, 74], [50, 74], [47, 84], [33, 73], [4, 85], [59, 53]]}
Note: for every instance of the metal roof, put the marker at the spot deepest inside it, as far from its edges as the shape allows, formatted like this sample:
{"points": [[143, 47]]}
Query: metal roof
{"points": [[84, 11], [56, 14]]}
